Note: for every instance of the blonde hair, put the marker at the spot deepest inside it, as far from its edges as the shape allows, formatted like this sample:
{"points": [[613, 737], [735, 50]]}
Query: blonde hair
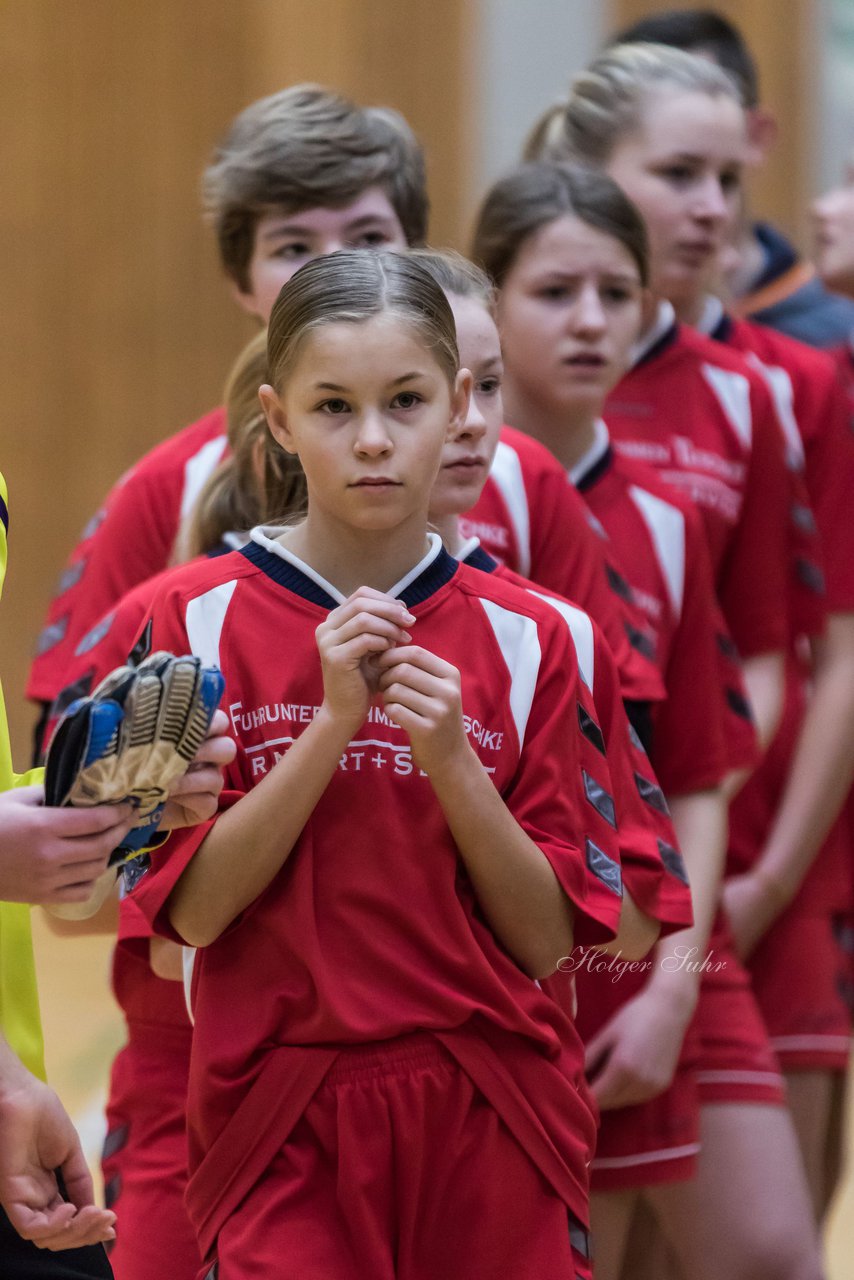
{"points": [[606, 99], [258, 483], [351, 287], [457, 275]]}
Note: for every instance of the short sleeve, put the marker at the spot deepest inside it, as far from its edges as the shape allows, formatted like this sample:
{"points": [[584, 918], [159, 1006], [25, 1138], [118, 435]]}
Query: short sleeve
{"points": [[753, 582], [567, 811]]}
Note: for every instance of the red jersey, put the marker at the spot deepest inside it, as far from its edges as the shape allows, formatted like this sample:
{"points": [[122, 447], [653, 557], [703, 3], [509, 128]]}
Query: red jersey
{"points": [[130, 539], [808, 380], [361, 944], [703, 418], [653, 870], [528, 519], [813, 405], [658, 541]]}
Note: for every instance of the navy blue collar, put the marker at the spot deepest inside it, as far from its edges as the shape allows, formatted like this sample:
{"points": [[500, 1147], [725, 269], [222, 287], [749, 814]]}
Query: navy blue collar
{"points": [[283, 570], [595, 473], [477, 558]]}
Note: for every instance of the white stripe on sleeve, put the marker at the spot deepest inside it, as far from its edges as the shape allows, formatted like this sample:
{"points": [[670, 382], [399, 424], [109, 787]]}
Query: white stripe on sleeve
{"points": [[520, 647], [205, 619]]}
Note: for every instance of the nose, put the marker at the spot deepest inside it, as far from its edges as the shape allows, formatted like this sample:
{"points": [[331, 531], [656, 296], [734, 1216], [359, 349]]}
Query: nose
{"points": [[712, 203], [330, 244], [475, 426], [588, 314], [372, 438]]}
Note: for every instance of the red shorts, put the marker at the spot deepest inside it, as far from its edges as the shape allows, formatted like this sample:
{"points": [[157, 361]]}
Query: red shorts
{"points": [[145, 1156], [801, 975], [399, 1170], [655, 1142], [737, 1063]]}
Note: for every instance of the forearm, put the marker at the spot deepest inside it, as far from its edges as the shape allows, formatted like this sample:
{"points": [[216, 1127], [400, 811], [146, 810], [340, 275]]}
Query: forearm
{"points": [[822, 768], [700, 822], [249, 844], [764, 679], [512, 878]]}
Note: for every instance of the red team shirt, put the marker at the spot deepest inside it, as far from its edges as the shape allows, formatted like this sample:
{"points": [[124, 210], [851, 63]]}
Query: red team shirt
{"points": [[703, 418], [658, 542], [326, 951], [653, 870], [146, 1179], [130, 539], [528, 519], [812, 404]]}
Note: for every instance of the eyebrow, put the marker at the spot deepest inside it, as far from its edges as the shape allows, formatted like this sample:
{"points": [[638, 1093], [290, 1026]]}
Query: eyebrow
{"points": [[334, 386], [288, 228], [555, 274]]}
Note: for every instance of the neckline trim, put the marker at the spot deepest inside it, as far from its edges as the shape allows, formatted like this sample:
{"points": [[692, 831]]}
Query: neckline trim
{"points": [[264, 550]]}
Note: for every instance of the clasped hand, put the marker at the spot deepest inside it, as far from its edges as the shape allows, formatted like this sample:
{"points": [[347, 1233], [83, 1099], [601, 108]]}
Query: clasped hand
{"points": [[367, 654]]}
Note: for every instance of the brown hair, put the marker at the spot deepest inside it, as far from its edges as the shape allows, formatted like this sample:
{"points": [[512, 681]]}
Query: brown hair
{"points": [[353, 286], [605, 100], [457, 275], [536, 194], [258, 483], [305, 147]]}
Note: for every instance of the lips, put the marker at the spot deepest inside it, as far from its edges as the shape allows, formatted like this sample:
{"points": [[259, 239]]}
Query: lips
{"points": [[469, 463], [375, 482], [586, 360], [698, 250]]}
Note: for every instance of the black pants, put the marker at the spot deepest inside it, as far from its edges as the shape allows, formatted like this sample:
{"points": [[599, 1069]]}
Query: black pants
{"points": [[21, 1260]]}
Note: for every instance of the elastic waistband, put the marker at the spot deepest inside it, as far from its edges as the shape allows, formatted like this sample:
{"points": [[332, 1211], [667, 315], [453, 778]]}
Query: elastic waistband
{"points": [[388, 1057]]}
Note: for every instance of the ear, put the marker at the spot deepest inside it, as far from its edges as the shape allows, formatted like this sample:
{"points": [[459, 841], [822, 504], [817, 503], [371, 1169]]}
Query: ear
{"points": [[460, 397], [762, 131], [277, 421]]}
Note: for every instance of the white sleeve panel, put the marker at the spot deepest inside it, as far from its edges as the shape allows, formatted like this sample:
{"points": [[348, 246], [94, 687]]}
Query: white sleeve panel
{"points": [[519, 643], [205, 620], [733, 393], [581, 630], [666, 525], [506, 472]]}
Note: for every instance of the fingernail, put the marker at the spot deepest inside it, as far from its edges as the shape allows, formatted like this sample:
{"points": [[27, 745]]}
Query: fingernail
{"points": [[408, 617]]}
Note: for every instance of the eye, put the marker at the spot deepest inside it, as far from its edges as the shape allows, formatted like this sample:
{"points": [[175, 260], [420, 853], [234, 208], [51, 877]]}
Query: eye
{"points": [[334, 407], [679, 175], [406, 400], [370, 240], [293, 249], [731, 180], [488, 386], [615, 293], [553, 293]]}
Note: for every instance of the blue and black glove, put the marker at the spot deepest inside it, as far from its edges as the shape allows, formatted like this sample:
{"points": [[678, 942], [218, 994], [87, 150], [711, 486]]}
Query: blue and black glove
{"points": [[132, 740]]}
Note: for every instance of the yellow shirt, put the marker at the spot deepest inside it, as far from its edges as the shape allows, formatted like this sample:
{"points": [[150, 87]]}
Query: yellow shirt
{"points": [[19, 1002]]}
